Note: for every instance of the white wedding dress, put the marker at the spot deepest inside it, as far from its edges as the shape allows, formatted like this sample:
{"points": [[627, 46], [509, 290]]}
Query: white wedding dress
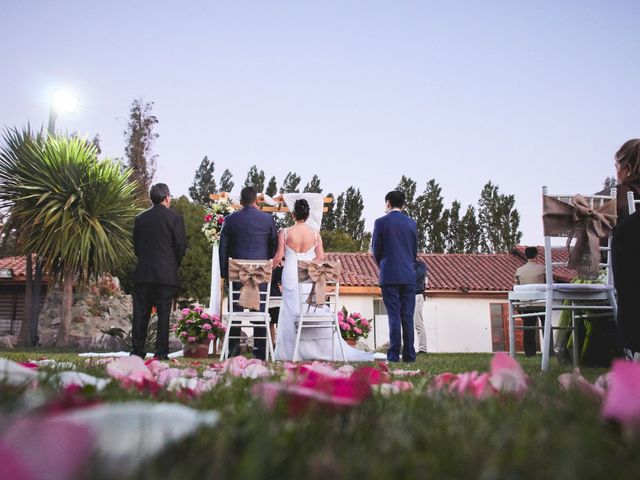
{"points": [[311, 347]]}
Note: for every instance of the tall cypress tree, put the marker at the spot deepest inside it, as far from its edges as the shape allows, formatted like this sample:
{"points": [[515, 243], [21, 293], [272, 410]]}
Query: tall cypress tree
{"points": [[313, 186], [291, 183], [255, 178], [455, 235], [226, 184], [499, 220], [272, 187], [139, 137], [471, 231], [204, 184], [430, 209]]}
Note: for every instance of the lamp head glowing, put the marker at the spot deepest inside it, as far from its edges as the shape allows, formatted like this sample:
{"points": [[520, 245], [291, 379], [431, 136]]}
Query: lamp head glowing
{"points": [[64, 102]]}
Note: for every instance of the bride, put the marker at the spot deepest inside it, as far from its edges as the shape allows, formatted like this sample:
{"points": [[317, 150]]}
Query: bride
{"points": [[301, 242]]}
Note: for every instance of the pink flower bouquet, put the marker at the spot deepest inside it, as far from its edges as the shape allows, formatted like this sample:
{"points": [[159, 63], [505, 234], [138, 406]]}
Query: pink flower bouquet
{"points": [[353, 325], [196, 326]]}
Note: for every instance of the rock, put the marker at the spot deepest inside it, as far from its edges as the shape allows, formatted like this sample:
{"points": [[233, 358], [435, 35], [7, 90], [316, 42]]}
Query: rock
{"points": [[81, 342], [48, 338], [109, 343], [8, 341], [55, 321]]}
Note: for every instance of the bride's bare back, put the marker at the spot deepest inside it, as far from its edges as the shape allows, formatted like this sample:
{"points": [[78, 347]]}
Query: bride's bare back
{"points": [[300, 238]]}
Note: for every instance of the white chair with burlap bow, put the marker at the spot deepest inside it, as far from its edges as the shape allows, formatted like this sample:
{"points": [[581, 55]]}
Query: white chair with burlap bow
{"points": [[583, 222], [247, 301], [319, 288]]}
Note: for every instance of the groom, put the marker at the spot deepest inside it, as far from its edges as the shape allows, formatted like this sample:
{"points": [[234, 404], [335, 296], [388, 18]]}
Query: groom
{"points": [[395, 248], [247, 234]]}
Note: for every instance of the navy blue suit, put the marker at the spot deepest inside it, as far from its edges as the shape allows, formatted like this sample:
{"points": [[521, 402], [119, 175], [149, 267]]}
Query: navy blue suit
{"points": [[247, 234], [395, 247]]}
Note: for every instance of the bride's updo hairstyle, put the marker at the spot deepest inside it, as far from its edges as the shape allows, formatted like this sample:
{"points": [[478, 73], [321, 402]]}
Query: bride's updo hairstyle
{"points": [[301, 209]]}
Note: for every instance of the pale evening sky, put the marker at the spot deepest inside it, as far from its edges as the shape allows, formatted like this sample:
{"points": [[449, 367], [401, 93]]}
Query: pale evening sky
{"points": [[359, 92]]}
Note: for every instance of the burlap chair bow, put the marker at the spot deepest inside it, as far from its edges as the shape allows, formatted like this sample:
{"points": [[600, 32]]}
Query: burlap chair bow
{"points": [[251, 276], [588, 225], [319, 274]]}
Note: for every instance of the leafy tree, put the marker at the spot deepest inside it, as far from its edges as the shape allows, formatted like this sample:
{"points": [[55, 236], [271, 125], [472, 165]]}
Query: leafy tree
{"points": [[255, 179], [203, 183], [498, 219], [415, 209], [329, 218], [337, 241], [471, 231], [408, 186], [272, 187], [139, 137], [74, 210], [18, 146], [195, 269], [430, 208], [351, 221], [96, 143], [455, 234], [313, 186], [290, 183], [226, 185]]}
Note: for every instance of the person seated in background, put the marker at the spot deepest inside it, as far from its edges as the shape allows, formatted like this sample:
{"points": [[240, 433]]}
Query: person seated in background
{"points": [[275, 300], [628, 174], [531, 272], [625, 251]]}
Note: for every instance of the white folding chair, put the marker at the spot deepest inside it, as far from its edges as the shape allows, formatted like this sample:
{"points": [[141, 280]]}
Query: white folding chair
{"points": [[245, 318], [598, 298], [632, 202], [319, 319]]}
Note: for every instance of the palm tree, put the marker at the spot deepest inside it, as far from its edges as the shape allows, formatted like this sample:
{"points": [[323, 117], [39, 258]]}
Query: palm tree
{"points": [[78, 210]]}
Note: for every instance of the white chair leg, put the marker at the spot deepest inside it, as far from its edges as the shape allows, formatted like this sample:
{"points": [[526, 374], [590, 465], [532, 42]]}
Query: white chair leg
{"points": [[337, 327], [297, 344], [614, 305], [512, 332], [225, 343], [576, 344], [269, 350], [548, 320]]}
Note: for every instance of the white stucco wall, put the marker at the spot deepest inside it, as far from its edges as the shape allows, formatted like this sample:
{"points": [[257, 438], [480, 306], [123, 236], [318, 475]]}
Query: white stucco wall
{"points": [[452, 324]]}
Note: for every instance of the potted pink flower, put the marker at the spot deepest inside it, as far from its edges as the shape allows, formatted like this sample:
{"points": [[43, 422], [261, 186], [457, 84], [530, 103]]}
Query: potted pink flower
{"points": [[195, 328], [353, 326]]}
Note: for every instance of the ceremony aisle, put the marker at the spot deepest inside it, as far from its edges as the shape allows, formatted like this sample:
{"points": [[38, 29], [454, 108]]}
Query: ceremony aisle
{"points": [[446, 416]]}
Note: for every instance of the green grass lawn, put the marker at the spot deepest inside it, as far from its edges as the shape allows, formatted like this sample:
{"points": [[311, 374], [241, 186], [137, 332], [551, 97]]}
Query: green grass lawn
{"points": [[547, 434]]}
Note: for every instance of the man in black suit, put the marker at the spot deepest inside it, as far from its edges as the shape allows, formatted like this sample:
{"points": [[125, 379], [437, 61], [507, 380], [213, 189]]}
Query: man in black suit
{"points": [[247, 234], [159, 242]]}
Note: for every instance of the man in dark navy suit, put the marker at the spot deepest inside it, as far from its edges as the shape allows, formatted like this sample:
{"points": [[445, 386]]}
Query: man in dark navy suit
{"points": [[395, 248], [159, 242], [247, 234]]}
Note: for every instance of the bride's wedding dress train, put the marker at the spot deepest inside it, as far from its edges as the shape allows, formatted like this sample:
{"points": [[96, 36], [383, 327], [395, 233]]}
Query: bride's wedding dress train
{"points": [[310, 348]]}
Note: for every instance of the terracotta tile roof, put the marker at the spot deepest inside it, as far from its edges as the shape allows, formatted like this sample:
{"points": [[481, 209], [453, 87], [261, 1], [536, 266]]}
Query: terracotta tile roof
{"points": [[17, 264], [451, 271]]}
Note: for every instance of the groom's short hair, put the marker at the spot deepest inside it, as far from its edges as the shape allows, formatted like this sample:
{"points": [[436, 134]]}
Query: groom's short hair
{"points": [[248, 196], [395, 199]]}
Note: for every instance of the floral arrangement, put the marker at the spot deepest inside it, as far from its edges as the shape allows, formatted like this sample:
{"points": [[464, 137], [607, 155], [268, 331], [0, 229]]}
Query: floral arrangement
{"points": [[216, 212], [353, 325], [196, 326]]}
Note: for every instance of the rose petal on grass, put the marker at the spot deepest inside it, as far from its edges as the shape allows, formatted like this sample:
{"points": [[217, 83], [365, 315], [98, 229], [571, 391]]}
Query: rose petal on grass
{"points": [[622, 402], [14, 374], [129, 370], [575, 380], [507, 376], [48, 448]]}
